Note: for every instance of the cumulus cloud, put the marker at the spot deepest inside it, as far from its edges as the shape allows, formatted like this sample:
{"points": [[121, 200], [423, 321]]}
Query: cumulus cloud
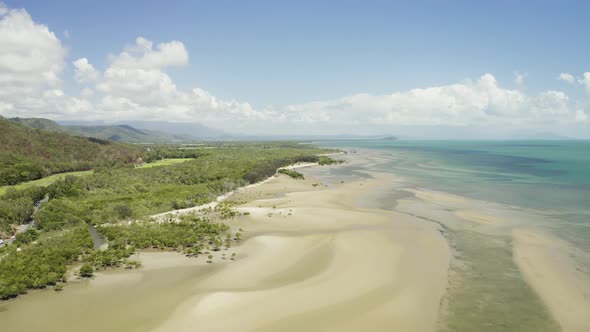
{"points": [[32, 59], [568, 78], [142, 55], [482, 102], [31, 56], [84, 71], [136, 85]]}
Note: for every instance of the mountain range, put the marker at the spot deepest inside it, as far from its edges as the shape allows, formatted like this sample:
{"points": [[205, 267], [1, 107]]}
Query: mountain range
{"points": [[133, 132]]}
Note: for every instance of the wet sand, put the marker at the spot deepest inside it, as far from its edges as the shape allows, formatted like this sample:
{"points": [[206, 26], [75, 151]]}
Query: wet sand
{"points": [[316, 262], [547, 266], [522, 277]]}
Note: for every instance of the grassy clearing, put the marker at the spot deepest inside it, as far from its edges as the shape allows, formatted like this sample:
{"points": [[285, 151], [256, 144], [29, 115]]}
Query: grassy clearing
{"points": [[44, 182], [165, 162]]}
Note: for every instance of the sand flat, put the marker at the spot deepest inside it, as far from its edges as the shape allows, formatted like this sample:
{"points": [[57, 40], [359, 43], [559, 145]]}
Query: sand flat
{"points": [[317, 262], [547, 267]]}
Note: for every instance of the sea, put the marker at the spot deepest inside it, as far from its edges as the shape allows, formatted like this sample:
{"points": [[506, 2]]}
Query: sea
{"points": [[541, 185]]}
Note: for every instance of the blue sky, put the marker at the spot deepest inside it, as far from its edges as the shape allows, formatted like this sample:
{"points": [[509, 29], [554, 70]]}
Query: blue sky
{"points": [[278, 53]]}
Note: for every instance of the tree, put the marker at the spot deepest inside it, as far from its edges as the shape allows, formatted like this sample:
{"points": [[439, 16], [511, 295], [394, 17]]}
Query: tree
{"points": [[123, 211], [86, 271], [210, 259]]}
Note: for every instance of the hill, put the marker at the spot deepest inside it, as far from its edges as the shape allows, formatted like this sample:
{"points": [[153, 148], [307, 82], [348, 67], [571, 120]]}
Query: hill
{"points": [[188, 130], [27, 153], [122, 132], [191, 130]]}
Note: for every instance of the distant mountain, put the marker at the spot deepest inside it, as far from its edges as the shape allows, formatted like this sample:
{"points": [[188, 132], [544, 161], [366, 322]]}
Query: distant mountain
{"points": [[188, 131], [193, 130], [125, 133], [28, 153], [311, 137]]}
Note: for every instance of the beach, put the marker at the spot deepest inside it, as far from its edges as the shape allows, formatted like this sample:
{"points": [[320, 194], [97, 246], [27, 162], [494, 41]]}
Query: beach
{"points": [[348, 248], [314, 261], [312, 258]]}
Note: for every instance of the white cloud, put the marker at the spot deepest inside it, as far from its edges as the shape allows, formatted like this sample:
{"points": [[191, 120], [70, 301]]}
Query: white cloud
{"points": [[519, 78], [585, 81], [136, 85], [85, 71], [87, 92], [480, 103], [31, 56], [568, 78], [581, 117], [142, 55], [31, 63]]}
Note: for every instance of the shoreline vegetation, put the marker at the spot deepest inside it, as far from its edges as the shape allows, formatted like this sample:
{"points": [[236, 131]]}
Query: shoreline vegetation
{"points": [[293, 174], [113, 197]]}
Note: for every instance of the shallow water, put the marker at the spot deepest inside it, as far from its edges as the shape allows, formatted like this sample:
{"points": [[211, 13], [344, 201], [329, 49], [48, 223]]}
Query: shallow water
{"points": [[551, 177], [536, 185]]}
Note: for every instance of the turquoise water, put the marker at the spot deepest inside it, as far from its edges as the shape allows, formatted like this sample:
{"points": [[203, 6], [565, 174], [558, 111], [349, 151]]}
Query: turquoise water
{"points": [[548, 175], [544, 183]]}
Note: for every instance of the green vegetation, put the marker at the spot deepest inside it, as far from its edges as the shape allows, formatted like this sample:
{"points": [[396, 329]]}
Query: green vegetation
{"points": [[325, 160], [110, 195], [86, 270], [17, 206], [44, 263], [190, 232], [44, 182], [294, 174], [164, 162], [29, 154], [101, 197]]}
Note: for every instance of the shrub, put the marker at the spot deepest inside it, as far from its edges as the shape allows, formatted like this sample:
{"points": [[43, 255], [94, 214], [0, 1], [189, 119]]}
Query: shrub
{"points": [[86, 271]]}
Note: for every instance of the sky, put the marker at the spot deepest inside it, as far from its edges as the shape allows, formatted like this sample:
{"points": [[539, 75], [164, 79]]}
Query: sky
{"points": [[438, 69]]}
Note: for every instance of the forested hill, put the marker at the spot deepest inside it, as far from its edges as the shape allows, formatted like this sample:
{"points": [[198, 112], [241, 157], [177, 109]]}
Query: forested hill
{"points": [[122, 133], [29, 154]]}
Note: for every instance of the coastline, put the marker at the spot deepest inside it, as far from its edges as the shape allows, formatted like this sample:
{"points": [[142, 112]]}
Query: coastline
{"points": [[227, 195], [313, 256], [328, 253]]}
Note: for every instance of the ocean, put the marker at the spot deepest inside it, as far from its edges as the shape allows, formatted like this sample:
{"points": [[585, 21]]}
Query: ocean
{"points": [[538, 185]]}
